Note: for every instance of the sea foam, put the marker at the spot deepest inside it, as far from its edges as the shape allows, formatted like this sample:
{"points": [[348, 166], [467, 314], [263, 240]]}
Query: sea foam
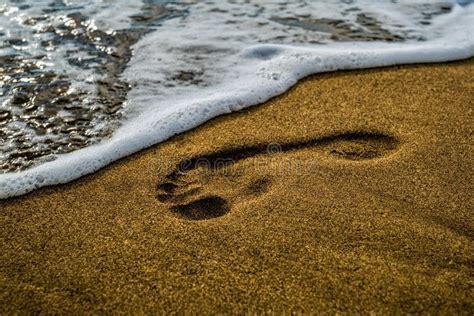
{"points": [[224, 56]]}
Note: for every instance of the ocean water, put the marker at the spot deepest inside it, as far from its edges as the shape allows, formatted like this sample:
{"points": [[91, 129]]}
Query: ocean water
{"points": [[86, 82]]}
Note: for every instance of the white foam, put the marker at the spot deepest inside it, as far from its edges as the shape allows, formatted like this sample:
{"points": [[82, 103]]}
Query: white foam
{"points": [[236, 65]]}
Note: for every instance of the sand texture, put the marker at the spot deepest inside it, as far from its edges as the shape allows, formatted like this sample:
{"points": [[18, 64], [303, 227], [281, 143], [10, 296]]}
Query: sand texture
{"points": [[350, 192]]}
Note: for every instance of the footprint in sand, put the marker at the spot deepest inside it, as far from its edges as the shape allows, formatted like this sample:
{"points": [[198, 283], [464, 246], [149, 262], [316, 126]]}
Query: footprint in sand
{"points": [[196, 190]]}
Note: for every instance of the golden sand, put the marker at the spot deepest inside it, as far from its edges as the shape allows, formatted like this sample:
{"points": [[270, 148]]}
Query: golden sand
{"points": [[362, 203]]}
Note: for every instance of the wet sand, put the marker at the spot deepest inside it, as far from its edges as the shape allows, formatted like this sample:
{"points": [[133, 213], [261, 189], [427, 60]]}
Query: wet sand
{"points": [[350, 192]]}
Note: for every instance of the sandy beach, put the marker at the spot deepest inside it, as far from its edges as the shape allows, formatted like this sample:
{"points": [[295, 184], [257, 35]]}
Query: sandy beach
{"points": [[349, 193]]}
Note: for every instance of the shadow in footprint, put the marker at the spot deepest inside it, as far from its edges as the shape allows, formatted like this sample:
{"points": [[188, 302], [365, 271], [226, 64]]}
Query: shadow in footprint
{"points": [[259, 186], [203, 208], [185, 197]]}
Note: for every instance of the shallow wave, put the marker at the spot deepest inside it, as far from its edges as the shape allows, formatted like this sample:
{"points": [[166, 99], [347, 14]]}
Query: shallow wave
{"points": [[200, 60]]}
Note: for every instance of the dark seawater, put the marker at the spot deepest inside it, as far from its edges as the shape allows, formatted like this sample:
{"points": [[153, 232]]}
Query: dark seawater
{"points": [[46, 109]]}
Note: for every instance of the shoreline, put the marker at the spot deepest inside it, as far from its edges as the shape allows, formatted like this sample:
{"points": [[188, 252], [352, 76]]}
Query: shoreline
{"points": [[382, 225]]}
